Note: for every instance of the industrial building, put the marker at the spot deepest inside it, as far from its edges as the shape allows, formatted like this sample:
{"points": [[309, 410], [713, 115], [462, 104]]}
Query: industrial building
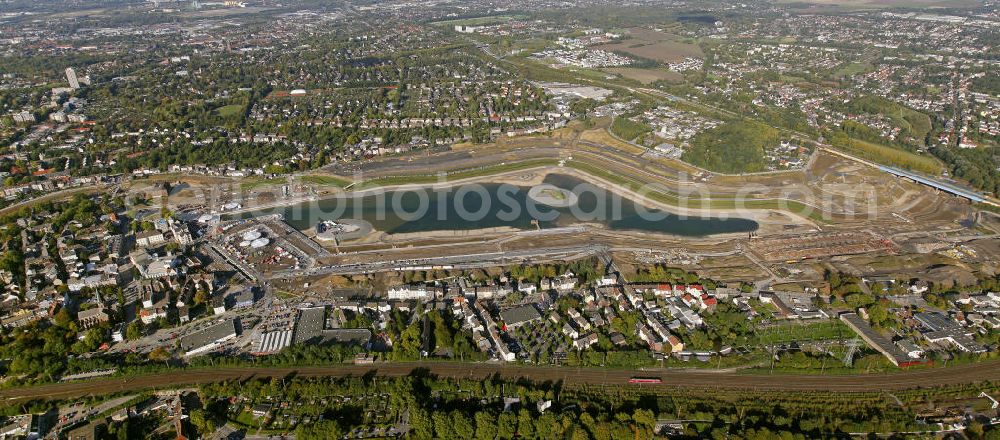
{"points": [[944, 330], [877, 341], [209, 338], [518, 316], [273, 342]]}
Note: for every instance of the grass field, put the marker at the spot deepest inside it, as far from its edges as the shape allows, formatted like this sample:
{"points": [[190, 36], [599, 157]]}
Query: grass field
{"points": [[628, 129], [458, 175], [649, 35], [540, 71], [850, 69], [601, 136], [918, 123], [796, 331], [892, 156], [791, 79], [530, 45], [230, 111], [317, 179], [913, 122]]}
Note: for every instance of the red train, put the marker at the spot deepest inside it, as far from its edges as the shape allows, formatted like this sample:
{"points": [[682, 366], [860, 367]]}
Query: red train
{"points": [[645, 380]]}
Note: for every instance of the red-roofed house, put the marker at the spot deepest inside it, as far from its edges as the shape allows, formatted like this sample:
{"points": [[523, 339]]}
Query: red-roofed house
{"points": [[708, 302], [688, 299], [663, 290], [675, 344]]}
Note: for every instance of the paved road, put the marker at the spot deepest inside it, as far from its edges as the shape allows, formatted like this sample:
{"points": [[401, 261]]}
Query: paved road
{"points": [[972, 373], [80, 412], [464, 261], [64, 193]]}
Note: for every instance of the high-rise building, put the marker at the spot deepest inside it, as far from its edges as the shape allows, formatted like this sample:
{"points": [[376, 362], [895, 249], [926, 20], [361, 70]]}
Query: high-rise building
{"points": [[71, 77]]}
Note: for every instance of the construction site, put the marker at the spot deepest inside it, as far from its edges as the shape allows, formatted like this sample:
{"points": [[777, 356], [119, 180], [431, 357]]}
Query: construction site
{"points": [[835, 208]]}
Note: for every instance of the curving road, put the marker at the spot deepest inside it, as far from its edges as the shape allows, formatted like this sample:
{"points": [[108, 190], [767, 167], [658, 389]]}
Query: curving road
{"points": [[963, 374]]}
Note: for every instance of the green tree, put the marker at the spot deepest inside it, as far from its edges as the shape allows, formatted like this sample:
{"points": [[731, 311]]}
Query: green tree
{"points": [[525, 424], [486, 426], [320, 430], [134, 330], [507, 425], [420, 423], [443, 427], [461, 425]]}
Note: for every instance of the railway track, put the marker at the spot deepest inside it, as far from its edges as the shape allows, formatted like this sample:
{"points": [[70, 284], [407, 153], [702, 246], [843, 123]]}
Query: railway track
{"points": [[963, 374]]}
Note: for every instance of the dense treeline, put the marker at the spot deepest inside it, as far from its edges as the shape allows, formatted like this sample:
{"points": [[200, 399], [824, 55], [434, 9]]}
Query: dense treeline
{"points": [[468, 408], [586, 270], [659, 273], [219, 153], [883, 154], [989, 83], [734, 147], [445, 337], [911, 122], [978, 166], [628, 129]]}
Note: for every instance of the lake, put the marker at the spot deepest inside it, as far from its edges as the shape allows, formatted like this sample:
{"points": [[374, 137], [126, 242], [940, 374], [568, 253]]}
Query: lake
{"points": [[463, 208]]}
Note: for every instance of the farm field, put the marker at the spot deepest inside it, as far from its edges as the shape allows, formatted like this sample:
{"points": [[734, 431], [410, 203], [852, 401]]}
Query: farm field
{"points": [[654, 45], [646, 76], [663, 51]]}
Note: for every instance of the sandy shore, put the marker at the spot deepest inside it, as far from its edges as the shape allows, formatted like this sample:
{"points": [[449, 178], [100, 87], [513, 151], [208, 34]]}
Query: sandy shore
{"points": [[506, 232], [449, 233]]}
